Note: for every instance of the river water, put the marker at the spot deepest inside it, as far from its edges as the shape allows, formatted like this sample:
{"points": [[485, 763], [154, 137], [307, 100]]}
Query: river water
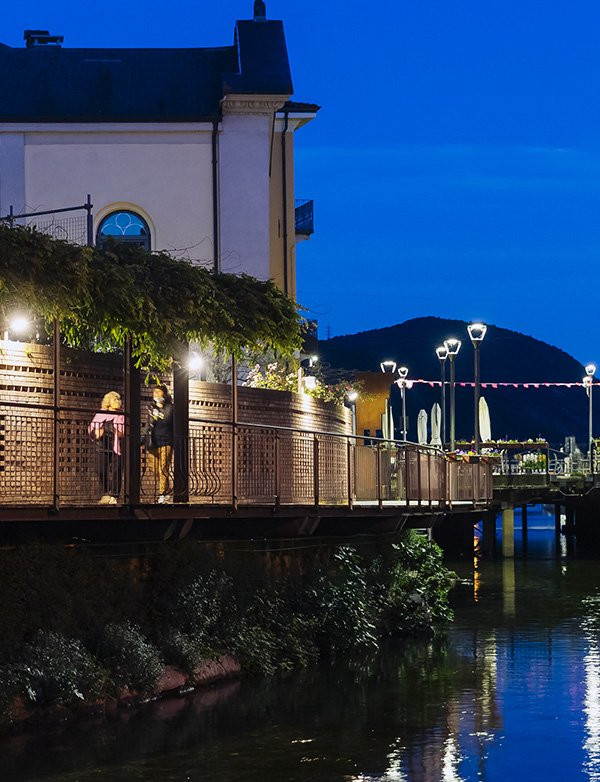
{"points": [[512, 693]]}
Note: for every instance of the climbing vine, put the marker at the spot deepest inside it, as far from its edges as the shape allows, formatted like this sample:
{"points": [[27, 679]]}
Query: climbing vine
{"points": [[104, 296]]}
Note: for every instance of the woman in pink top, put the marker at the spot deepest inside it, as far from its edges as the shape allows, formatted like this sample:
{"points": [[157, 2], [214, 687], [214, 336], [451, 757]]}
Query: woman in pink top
{"points": [[107, 430]]}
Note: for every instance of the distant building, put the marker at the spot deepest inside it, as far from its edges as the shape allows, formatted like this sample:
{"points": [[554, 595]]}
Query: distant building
{"points": [[185, 150]]}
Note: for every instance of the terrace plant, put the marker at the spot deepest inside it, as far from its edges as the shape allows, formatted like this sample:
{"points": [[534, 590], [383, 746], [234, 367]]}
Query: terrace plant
{"points": [[103, 297]]}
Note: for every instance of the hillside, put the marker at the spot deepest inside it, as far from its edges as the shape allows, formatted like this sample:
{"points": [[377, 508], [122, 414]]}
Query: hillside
{"points": [[505, 356]]}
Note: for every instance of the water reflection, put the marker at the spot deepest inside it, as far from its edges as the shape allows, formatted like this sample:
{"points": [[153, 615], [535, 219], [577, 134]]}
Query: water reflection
{"points": [[508, 587], [591, 664], [512, 693]]}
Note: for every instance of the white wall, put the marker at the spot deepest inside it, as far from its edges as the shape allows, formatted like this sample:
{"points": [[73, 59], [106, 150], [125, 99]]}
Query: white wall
{"points": [[166, 176], [244, 156], [12, 172]]}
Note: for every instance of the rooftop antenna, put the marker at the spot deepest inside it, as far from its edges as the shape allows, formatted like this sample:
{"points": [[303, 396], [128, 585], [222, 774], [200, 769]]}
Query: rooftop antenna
{"points": [[260, 11]]}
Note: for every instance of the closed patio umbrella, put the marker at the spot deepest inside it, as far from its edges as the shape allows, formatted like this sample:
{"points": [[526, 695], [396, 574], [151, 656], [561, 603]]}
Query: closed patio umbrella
{"points": [[436, 425], [485, 426], [422, 427]]}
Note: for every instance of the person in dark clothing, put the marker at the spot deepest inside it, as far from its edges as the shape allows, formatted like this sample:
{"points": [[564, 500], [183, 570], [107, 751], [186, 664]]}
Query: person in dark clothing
{"points": [[161, 438]]}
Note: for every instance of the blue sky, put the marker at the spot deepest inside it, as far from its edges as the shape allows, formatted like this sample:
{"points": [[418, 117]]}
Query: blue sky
{"points": [[455, 164]]}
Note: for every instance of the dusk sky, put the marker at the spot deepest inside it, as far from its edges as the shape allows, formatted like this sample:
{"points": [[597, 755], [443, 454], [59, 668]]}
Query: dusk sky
{"points": [[455, 165]]}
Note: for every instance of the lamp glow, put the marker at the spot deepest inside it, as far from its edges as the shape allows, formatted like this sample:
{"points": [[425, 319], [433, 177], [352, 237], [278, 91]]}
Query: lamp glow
{"points": [[196, 362], [403, 372], [388, 366], [477, 331], [590, 370], [353, 396], [442, 352], [18, 324], [310, 382]]}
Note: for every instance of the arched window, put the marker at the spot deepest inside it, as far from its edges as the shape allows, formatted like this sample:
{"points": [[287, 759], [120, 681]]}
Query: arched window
{"points": [[126, 227]]}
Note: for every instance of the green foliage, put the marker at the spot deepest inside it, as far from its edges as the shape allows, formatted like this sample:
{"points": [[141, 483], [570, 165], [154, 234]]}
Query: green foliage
{"points": [[345, 605], [104, 296], [415, 586], [55, 669], [62, 590], [109, 626], [281, 377], [132, 661]]}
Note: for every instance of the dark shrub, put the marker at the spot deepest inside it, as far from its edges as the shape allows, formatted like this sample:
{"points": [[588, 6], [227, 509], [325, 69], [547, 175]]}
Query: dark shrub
{"points": [[132, 661], [186, 651], [57, 669]]}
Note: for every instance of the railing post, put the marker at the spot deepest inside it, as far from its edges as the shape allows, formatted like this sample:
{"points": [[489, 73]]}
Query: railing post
{"points": [[429, 475], [277, 472], [316, 486], [419, 483], [406, 473], [378, 472], [56, 399], [181, 425], [89, 221], [234, 434], [133, 427], [349, 478]]}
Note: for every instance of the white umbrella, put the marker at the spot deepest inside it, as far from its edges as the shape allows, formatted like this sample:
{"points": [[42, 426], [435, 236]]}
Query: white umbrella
{"points": [[485, 426], [422, 427], [436, 425]]}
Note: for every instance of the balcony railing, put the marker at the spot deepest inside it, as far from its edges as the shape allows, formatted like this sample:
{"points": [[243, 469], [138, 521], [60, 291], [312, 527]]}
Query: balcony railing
{"points": [[305, 220], [46, 460]]}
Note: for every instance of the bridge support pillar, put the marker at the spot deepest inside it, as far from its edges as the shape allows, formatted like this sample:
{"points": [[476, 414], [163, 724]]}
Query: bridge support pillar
{"points": [[508, 532], [524, 529], [488, 540], [456, 535]]}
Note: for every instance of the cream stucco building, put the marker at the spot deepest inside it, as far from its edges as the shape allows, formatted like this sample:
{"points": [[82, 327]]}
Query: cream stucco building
{"points": [[185, 150]]}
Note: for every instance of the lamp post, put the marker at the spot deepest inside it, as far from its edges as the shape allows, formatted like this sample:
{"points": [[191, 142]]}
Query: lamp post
{"points": [[442, 354], [453, 348], [588, 382], [403, 372], [477, 332]]}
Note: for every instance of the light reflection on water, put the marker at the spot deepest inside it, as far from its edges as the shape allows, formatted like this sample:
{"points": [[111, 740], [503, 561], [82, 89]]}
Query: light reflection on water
{"points": [[512, 694]]}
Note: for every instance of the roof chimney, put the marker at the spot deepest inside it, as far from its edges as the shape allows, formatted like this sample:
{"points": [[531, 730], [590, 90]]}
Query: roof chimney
{"points": [[260, 11], [41, 38]]}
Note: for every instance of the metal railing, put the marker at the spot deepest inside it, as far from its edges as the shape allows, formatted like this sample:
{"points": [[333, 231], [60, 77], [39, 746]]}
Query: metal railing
{"points": [[305, 217], [48, 459], [77, 229]]}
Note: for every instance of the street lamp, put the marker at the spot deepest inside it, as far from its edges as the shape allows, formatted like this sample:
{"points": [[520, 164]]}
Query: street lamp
{"points": [[477, 332], [453, 348], [388, 367], [588, 382], [442, 354], [402, 382]]}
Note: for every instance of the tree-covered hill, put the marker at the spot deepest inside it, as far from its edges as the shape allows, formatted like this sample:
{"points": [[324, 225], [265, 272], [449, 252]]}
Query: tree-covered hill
{"points": [[506, 356]]}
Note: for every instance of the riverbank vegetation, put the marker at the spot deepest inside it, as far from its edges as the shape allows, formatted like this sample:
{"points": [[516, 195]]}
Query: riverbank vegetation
{"points": [[77, 628]]}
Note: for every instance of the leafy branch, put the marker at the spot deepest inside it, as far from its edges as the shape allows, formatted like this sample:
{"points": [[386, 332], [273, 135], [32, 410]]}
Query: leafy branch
{"points": [[104, 296]]}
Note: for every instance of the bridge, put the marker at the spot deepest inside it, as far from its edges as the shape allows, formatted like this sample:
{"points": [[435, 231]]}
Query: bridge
{"points": [[247, 462]]}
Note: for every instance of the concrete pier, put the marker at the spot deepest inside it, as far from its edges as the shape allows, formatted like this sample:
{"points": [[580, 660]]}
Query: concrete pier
{"points": [[508, 532]]}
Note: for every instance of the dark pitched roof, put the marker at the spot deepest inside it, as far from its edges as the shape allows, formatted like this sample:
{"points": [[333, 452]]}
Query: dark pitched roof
{"points": [[53, 84], [263, 60]]}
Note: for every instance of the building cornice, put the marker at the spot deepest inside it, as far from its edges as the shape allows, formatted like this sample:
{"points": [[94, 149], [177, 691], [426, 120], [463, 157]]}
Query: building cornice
{"points": [[262, 105], [103, 127]]}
